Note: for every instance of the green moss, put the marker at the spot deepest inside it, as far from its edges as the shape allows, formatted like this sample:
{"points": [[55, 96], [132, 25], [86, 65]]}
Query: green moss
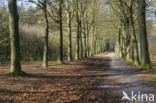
{"points": [[59, 61], [136, 63], [145, 67], [154, 79], [131, 61], [124, 59]]}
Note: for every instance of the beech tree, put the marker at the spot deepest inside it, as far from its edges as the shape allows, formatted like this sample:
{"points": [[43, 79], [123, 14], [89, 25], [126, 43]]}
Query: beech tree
{"points": [[60, 57], [144, 50], [55, 13], [70, 8], [14, 38], [42, 4], [85, 19], [127, 42], [77, 55]]}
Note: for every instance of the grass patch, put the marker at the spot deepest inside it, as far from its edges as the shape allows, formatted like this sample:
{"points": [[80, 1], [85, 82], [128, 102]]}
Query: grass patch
{"points": [[60, 61], [145, 67], [131, 60], [154, 79], [136, 64]]}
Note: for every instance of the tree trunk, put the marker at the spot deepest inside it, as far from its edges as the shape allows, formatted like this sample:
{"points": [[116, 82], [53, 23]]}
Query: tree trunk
{"points": [[85, 41], [145, 59], [92, 42], [14, 38], [122, 44], [118, 45], [77, 35], [69, 38], [81, 41], [45, 53], [135, 45], [155, 7], [133, 36], [60, 57]]}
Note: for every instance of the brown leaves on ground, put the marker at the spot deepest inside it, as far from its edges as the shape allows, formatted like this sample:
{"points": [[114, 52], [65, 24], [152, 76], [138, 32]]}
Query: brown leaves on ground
{"points": [[74, 82]]}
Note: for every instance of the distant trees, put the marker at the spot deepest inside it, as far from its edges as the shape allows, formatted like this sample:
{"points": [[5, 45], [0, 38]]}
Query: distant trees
{"points": [[125, 30], [56, 13], [4, 37], [14, 38], [127, 44], [42, 4], [79, 17], [87, 27], [70, 8]]}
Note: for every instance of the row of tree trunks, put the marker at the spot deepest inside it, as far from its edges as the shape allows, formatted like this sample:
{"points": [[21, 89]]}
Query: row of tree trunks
{"points": [[87, 40], [127, 43]]}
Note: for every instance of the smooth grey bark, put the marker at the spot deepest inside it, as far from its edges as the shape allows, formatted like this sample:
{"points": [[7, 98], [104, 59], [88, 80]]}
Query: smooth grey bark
{"points": [[85, 41], [45, 54], [133, 37], [81, 41], [92, 41], [145, 58], [14, 38], [70, 58], [60, 57], [77, 56], [119, 42], [70, 8]]}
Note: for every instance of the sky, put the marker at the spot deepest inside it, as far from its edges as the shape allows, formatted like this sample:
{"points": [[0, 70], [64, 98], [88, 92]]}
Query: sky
{"points": [[26, 4]]}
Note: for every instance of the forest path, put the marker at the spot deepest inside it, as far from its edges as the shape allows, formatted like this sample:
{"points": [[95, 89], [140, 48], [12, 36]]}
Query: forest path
{"points": [[98, 79], [128, 79]]}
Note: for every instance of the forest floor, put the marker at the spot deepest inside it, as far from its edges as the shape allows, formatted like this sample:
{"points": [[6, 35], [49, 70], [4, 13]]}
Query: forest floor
{"points": [[99, 79]]}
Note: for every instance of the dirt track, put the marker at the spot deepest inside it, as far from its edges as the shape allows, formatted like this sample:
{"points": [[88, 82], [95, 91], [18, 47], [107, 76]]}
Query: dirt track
{"points": [[100, 79]]}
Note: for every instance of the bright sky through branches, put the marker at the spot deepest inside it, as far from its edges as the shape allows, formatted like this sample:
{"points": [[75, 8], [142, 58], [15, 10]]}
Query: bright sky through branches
{"points": [[24, 3]]}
